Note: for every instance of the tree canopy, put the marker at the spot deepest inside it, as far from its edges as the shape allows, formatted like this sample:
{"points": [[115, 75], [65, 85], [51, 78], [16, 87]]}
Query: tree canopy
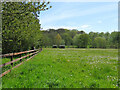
{"points": [[81, 39], [20, 27]]}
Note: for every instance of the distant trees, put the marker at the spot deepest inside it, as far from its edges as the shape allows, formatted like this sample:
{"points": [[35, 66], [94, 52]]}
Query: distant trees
{"points": [[99, 42], [62, 42], [58, 39], [72, 33], [67, 39], [81, 40], [75, 40], [107, 38], [114, 38]]}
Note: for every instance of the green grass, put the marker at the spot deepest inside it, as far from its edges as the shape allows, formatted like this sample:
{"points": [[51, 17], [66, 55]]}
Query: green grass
{"points": [[66, 68]]}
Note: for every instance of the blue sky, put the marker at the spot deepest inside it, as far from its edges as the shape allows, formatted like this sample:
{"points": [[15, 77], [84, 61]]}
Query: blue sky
{"points": [[87, 16]]}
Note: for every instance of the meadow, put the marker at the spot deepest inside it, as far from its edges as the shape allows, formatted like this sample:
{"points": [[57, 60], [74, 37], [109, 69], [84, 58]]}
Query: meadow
{"points": [[66, 68]]}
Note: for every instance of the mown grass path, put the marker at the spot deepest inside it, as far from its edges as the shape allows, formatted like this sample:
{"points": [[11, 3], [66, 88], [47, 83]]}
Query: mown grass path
{"points": [[69, 68]]}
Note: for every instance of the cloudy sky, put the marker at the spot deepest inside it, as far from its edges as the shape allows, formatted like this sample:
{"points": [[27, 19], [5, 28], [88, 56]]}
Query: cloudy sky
{"points": [[87, 16]]}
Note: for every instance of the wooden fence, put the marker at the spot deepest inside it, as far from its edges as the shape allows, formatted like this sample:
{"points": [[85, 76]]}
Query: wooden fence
{"points": [[29, 54]]}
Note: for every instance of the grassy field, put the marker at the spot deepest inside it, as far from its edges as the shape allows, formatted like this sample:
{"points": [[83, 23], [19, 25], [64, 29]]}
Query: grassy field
{"points": [[66, 68]]}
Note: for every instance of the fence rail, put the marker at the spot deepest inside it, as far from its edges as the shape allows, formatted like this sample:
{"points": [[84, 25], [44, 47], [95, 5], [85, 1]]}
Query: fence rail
{"points": [[13, 54], [31, 54]]}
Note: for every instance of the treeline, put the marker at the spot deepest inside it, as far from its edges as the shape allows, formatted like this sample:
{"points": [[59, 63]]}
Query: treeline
{"points": [[80, 39]]}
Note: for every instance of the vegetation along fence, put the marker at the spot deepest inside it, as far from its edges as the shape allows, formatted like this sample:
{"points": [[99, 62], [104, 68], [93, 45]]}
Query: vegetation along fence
{"points": [[28, 54]]}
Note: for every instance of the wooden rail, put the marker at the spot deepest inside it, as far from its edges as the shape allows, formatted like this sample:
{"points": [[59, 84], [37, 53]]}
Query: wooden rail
{"points": [[13, 54], [31, 54]]}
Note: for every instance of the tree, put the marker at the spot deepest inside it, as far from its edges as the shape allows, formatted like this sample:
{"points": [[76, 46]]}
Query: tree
{"points": [[80, 32], [101, 34], [67, 39], [21, 28], [51, 36], [75, 40], [45, 40], [62, 42], [72, 33], [107, 37], [81, 40], [92, 36], [114, 39], [100, 42], [58, 39]]}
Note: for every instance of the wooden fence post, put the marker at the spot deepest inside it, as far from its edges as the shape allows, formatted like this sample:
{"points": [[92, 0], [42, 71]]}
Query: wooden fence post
{"points": [[12, 60]]}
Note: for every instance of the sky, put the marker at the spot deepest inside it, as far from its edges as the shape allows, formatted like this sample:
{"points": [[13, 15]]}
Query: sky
{"points": [[86, 16]]}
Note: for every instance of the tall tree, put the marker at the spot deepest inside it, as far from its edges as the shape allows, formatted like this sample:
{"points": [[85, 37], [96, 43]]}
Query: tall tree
{"points": [[107, 37], [81, 40], [21, 28], [58, 39], [67, 39], [100, 42], [114, 38]]}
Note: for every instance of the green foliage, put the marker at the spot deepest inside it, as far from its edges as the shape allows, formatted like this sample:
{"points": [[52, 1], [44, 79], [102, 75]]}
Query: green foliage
{"points": [[45, 40], [92, 36], [70, 38], [82, 40], [115, 37], [62, 42], [72, 33], [20, 27], [100, 42], [58, 39], [75, 39], [67, 38]]}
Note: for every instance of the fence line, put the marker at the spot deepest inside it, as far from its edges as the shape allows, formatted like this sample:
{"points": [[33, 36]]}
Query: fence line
{"points": [[30, 55]]}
